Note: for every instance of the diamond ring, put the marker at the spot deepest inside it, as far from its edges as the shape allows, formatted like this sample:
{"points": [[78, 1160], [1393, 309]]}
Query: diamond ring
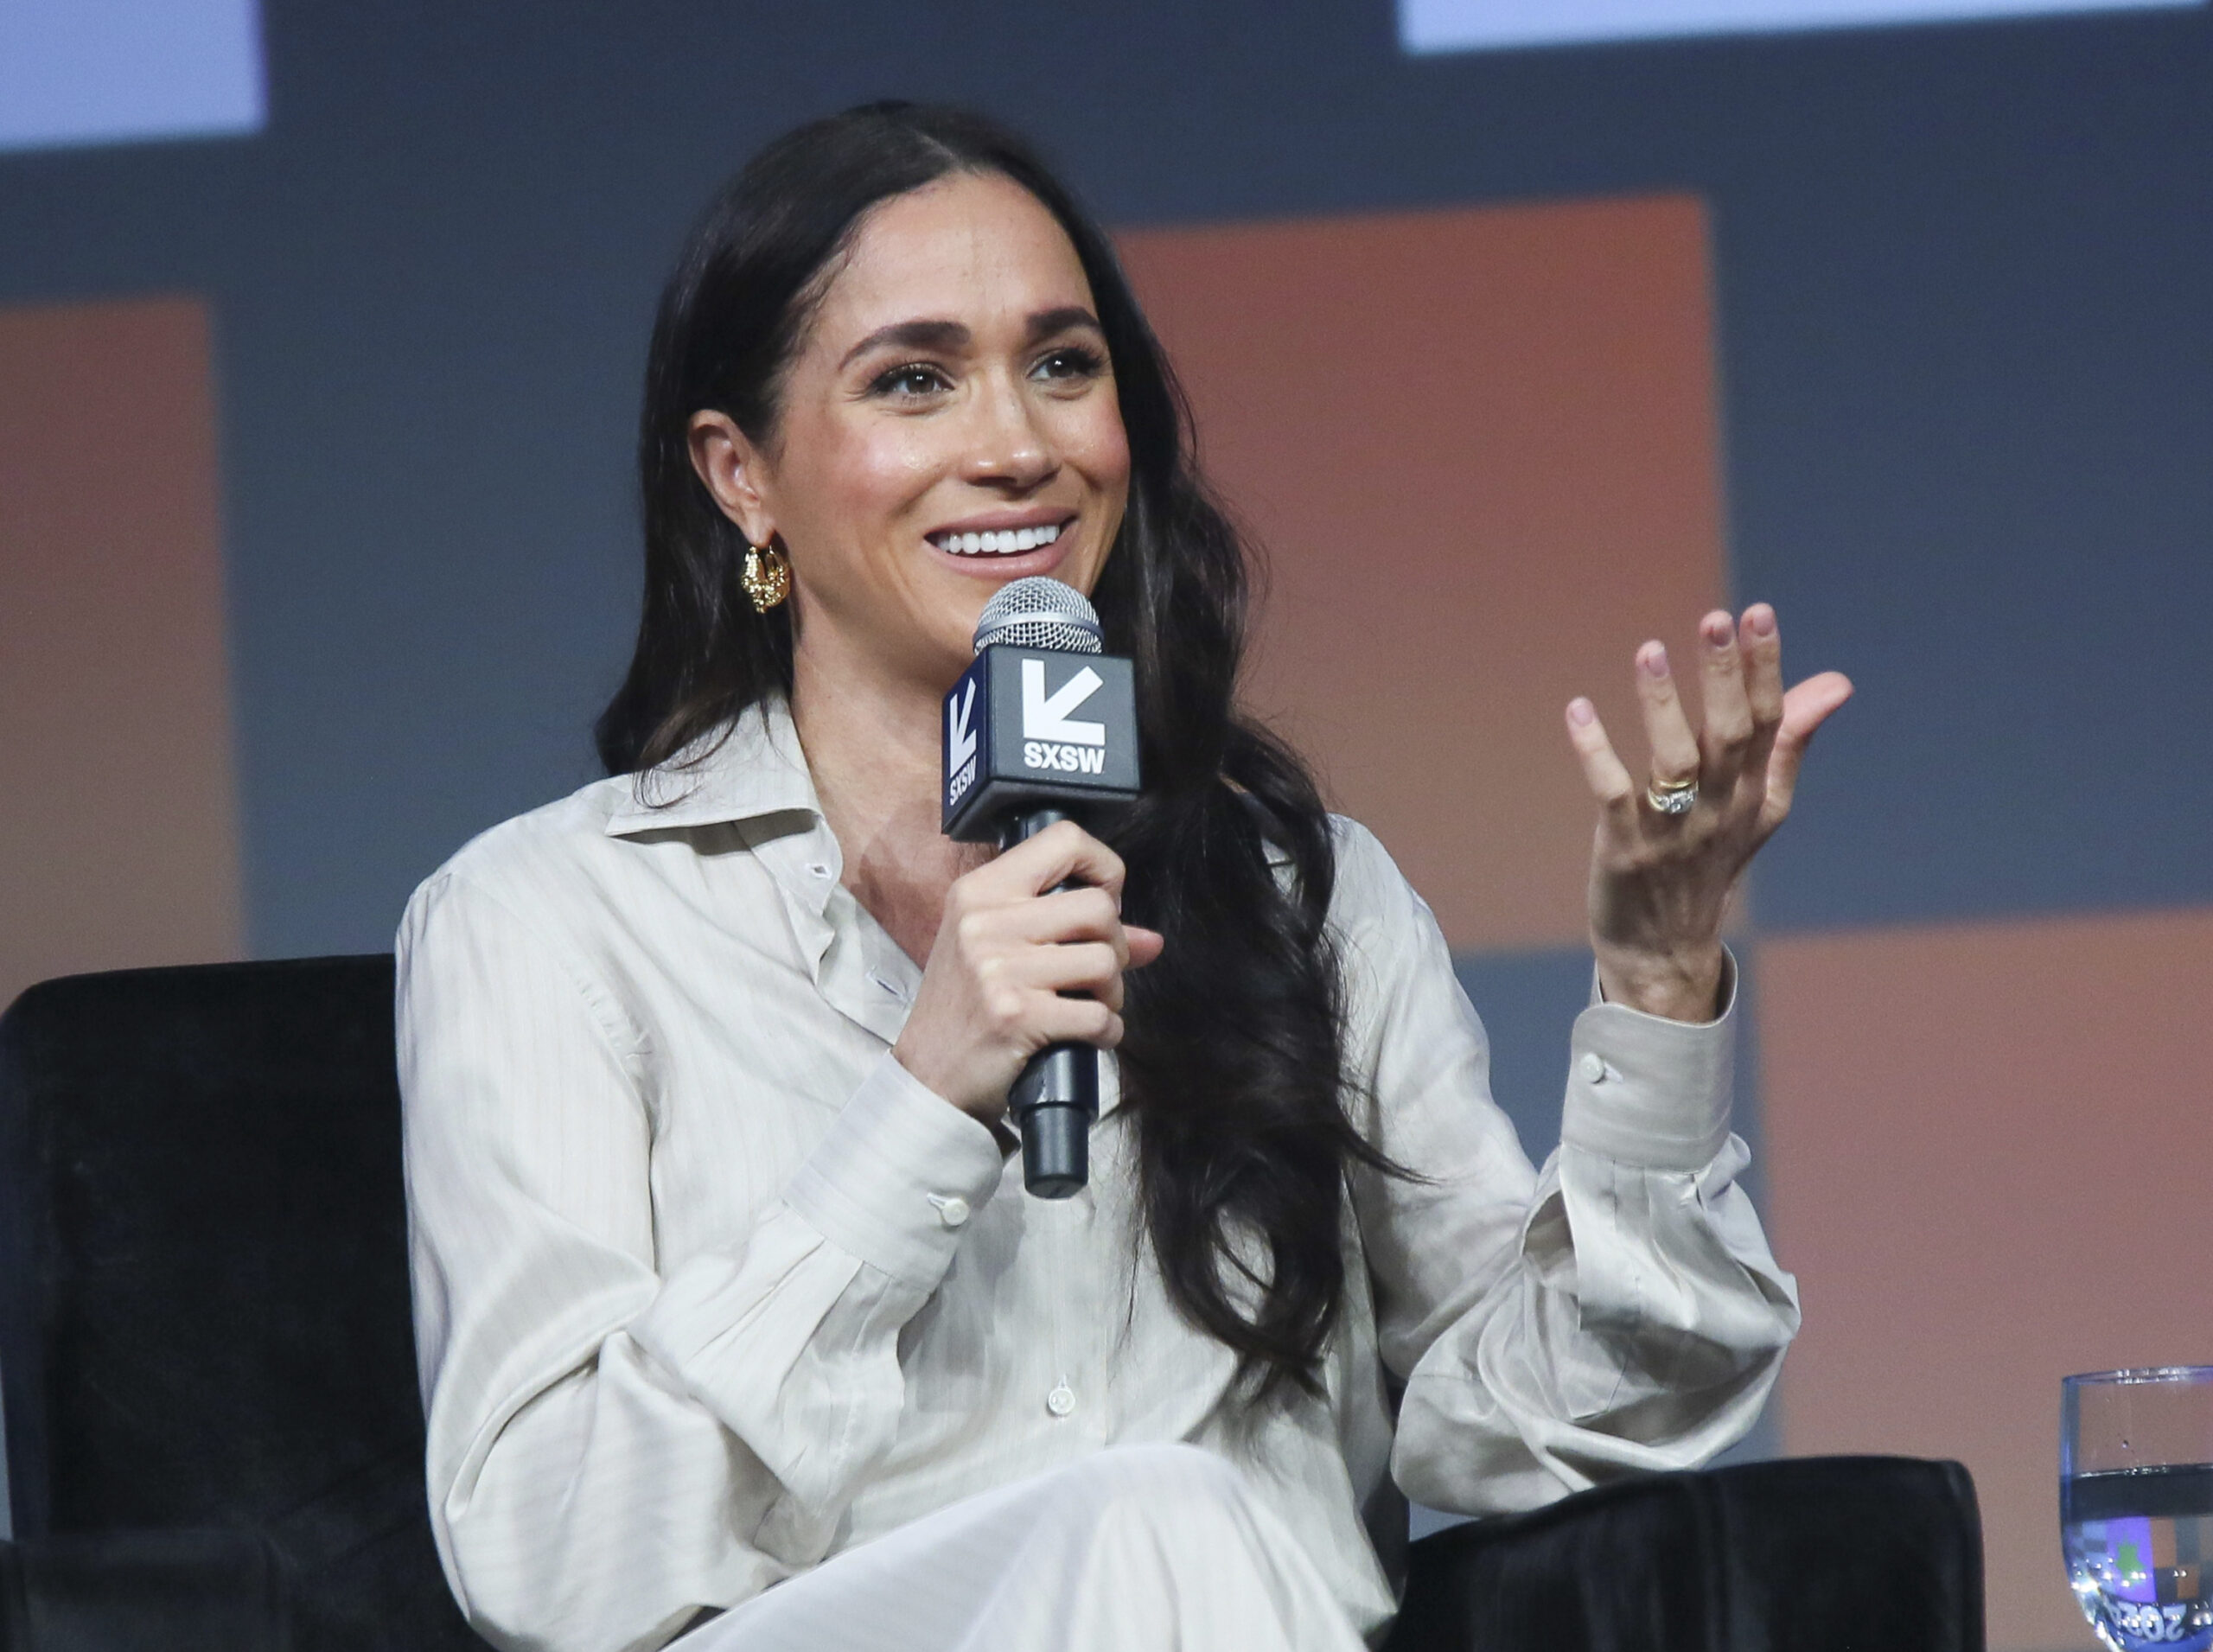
{"points": [[1675, 797]]}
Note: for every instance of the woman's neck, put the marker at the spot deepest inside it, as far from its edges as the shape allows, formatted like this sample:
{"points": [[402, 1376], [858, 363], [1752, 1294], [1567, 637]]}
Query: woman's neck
{"points": [[872, 748]]}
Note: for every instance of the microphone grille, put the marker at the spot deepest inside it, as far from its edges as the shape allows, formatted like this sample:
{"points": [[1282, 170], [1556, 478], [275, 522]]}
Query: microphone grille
{"points": [[1039, 613]]}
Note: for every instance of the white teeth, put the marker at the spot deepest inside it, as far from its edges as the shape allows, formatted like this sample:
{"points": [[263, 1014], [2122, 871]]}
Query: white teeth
{"points": [[999, 542]]}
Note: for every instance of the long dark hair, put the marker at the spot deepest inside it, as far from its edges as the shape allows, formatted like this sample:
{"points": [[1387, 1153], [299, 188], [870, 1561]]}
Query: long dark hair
{"points": [[1233, 1062]]}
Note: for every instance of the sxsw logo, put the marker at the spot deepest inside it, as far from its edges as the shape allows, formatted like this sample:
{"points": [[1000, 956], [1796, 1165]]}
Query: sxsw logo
{"points": [[959, 740], [1050, 738], [1026, 728]]}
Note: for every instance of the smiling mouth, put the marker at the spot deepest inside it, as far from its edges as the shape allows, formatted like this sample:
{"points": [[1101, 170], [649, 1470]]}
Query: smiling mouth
{"points": [[999, 542]]}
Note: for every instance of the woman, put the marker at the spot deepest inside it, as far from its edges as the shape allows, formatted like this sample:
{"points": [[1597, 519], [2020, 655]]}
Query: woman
{"points": [[724, 1279]]}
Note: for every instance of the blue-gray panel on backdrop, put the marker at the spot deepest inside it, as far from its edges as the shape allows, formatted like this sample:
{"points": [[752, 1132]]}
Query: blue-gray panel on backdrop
{"points": [[1969, 412], [1529, 1002]]}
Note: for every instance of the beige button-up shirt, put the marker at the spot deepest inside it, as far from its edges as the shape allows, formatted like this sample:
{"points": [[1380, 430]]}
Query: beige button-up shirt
{"points": [[708, 1288]]}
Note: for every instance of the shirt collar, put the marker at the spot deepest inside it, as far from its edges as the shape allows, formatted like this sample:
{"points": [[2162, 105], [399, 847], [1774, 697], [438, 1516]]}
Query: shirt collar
{"points": [[755, 768]]}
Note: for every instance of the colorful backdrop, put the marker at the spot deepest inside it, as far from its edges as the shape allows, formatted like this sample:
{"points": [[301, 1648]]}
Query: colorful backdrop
{"points": [[316, 551]]}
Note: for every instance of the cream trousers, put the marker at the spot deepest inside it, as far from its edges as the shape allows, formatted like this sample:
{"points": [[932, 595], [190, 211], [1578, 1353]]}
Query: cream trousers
{"points": [[1138, 1548]]}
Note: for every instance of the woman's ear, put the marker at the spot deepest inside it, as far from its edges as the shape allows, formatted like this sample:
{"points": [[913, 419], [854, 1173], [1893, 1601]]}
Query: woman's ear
{"points": [[730, 466]]}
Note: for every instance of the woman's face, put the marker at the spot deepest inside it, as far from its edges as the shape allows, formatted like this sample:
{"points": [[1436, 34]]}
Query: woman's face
{"points": [[950, 423]]}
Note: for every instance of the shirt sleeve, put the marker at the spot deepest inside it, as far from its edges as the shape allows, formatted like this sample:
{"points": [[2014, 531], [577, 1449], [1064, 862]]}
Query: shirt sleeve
{"points": [[1617, 1312], [612, 1448]]}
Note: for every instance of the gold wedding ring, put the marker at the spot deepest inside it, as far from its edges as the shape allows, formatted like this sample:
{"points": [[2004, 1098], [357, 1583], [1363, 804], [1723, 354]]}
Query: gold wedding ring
{"points": [[1673, 797]]}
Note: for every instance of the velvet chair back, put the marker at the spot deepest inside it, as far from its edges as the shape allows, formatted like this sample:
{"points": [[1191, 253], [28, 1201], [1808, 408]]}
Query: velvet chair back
{"points": [[204, 1315]]}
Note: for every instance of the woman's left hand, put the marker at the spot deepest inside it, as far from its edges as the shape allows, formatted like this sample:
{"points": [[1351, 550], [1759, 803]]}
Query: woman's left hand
{"points": [[1661, 880]]}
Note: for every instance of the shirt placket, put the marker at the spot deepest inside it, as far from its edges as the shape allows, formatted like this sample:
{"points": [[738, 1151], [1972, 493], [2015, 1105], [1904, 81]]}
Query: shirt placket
{"points": [[846, 951]]}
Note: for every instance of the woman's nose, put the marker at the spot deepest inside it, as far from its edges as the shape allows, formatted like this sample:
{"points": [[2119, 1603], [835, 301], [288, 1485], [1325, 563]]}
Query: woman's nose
{"points": [[1009, 447]]}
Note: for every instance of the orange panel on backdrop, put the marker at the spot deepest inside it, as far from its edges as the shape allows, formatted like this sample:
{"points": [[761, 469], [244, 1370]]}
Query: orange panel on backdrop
{"points": [[1478, 448], [119, 819], [1985, 1164]]}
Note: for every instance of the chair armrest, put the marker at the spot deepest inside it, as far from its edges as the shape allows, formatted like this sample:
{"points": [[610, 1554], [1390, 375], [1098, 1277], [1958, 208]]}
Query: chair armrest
{"points": [[1809, 1554]]}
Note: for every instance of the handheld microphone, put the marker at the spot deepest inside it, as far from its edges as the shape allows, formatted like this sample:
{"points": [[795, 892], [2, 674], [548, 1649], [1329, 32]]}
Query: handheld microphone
{"points": [[1041, 728]]}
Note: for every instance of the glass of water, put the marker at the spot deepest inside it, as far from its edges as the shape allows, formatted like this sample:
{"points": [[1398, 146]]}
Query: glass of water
{"points": [[2136, 1504]]}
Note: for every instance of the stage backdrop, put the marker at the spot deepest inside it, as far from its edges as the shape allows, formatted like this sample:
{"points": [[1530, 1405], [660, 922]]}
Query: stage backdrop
{"points": [[316, 551]]}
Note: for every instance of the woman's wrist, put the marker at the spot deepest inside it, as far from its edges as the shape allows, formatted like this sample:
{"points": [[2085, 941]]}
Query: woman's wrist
{"points": [[1676, 986]]}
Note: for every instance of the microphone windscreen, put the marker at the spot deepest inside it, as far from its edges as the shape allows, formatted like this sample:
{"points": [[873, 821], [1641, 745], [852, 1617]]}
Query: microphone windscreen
{"points": [[1039, 613]]}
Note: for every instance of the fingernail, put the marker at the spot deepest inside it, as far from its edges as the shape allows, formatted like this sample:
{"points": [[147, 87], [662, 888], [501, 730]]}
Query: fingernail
{"points": [[1719, 631], [1653, 656], [1761, 618], [1580, 712]]}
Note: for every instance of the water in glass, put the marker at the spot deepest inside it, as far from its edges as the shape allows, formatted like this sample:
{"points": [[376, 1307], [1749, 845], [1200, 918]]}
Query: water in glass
{"points": [[2136, 1505]]}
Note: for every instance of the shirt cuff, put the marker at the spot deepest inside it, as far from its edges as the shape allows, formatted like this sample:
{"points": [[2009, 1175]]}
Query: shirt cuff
{"points": [[897, 1176], [1644, 1090]]}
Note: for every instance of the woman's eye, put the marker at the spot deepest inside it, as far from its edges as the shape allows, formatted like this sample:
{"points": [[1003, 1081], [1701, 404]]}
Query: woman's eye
{"points": [[1073, 362], [911, 381]]}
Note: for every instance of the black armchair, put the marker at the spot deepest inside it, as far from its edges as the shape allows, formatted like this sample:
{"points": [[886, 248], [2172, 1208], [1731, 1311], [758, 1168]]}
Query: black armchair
{"points": [[215, 1438], [204, 1322]]}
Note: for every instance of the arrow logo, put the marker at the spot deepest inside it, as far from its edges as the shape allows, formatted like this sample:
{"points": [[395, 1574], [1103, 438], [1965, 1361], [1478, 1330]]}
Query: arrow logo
{"points": [[959, 736], [1044, 718]]}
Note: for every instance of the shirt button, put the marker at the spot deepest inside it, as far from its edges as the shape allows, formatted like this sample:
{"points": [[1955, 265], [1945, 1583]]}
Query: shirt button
{"points": [[1594, 1068], [951, 1212], [820, 869], [1062, 1400]]}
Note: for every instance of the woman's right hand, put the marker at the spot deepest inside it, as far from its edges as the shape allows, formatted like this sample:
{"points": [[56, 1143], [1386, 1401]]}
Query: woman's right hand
{"points": [[1011, 943]]}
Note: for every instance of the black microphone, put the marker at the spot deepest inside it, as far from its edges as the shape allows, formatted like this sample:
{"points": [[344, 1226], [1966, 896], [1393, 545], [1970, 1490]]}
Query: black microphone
{"points": [[1042, 728]]}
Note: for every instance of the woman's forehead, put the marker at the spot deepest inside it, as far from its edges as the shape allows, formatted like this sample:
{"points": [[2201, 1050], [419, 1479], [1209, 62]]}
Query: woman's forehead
{"points": [[971, 248]]}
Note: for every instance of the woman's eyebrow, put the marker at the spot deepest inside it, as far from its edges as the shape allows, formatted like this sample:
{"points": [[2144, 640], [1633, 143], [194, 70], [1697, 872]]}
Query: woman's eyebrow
{"points": [[913, 335], [1046, 323], [953, 335]]}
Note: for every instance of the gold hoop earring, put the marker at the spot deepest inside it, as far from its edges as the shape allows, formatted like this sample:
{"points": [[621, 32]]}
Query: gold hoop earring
{"points": [[768, 577]]}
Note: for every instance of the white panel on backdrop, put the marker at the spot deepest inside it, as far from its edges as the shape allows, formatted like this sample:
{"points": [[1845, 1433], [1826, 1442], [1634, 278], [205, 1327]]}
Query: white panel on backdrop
{"points": [[114, 71], [1474, 25]]}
